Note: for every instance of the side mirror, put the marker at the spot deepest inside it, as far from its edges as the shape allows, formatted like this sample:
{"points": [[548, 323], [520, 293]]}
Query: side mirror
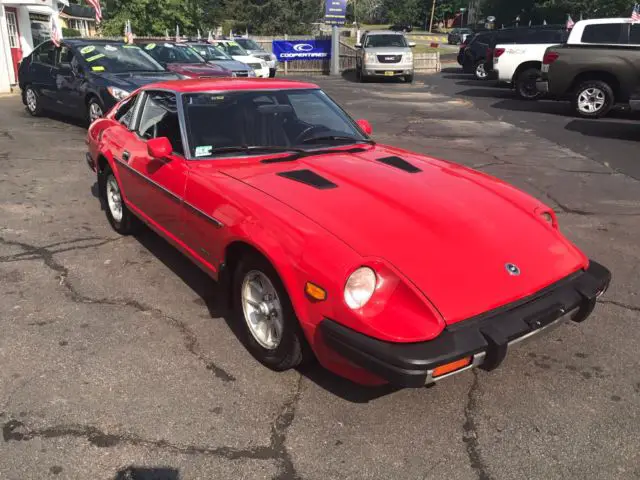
{"points": [[365, 126], [412, 44], [159, 147], [358, 45]]}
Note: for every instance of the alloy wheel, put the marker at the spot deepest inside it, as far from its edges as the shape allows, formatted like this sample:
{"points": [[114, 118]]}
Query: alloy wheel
{"points": [[32, 101], [591, 100], [262, 309], [114, 199], [95, 112]]}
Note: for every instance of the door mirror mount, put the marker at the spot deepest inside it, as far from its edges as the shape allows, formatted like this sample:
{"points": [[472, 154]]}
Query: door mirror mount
{"points": [[159, 147], [365, 126]]}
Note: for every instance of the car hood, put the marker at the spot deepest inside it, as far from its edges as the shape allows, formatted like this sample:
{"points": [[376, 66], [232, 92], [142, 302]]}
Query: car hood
{"points": [[134, 80], [451, 231], [198, 70], [388, 50], [231, 64]]}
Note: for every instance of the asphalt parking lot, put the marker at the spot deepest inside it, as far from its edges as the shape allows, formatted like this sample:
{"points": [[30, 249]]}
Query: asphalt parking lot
{"points": [[116, 363]]}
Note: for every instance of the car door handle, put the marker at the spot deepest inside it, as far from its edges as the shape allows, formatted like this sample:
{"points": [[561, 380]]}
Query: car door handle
{"points": [[126, 156]]}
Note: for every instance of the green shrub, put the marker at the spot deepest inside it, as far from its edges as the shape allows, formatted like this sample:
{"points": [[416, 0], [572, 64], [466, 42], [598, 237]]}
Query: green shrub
{"points": [[70, 32]]}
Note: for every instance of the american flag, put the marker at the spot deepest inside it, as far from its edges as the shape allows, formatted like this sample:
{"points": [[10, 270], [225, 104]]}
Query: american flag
{"points": [[96, 6], [570, 22], [56, 31], [635, 14]]}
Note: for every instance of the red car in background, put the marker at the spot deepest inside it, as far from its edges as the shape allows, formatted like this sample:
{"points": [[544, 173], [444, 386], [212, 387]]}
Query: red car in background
{"points": [[386, 265], [183, 59]]}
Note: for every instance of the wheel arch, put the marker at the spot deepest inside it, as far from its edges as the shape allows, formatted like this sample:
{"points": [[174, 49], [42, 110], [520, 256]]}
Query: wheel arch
{"points": [[524, 66], [603, 76]]}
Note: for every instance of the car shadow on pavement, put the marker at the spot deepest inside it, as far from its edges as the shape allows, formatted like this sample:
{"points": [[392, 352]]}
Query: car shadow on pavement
{"points": [[216, 302], [486, 93], [457, 70], [606, 129], [144, 473], [350, 76]]}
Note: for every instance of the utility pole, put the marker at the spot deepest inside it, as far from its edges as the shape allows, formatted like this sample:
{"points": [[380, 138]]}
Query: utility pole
{"points": [[433, 12]]}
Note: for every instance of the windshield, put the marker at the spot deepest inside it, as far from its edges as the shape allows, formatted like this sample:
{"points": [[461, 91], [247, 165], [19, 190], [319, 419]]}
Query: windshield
{"points": [[232, 48], [170, 53], [117, 58], [390, 40], [210, 52], [248, 44], [286, 119]]}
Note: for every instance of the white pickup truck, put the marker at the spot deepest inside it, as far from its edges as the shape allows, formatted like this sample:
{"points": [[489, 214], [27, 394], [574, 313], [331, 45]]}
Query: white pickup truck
{"points": [[519, 63]]}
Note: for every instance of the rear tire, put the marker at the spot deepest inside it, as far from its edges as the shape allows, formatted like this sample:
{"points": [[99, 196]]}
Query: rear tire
{"points": [[526, 84], [32, 101], [118, 215], [480, 70], [593, 99], [285, 346], [408, 78]]}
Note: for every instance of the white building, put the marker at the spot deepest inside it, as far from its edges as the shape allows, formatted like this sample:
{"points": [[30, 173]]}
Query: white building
{"points": [[23, 25]]}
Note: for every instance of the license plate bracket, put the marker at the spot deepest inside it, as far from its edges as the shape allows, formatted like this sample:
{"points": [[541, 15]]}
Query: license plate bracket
{"points": [[388, 74]]}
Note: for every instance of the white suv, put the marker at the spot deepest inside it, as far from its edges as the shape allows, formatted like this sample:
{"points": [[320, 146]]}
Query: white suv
{"points": [[518, 62], [384, 53]]}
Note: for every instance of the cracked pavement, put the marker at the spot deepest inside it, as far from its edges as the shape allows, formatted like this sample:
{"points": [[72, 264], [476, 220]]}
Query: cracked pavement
{"points": [[117, 362]]}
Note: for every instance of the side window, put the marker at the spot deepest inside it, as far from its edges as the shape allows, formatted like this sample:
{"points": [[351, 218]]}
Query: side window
{"points": [[634, 34], [125, 113], [45, 54], [547, 36], [160, 119], [610, 33]]}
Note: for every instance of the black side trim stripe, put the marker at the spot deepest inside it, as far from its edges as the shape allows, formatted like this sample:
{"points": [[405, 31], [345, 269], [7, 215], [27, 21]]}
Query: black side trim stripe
{"points": [[216, 222], [172, 195], [167, 192], [400, 163], [308, 177]]}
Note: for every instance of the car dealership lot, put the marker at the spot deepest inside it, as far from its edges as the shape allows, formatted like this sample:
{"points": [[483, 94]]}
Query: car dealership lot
{"points": [[115, 355]]}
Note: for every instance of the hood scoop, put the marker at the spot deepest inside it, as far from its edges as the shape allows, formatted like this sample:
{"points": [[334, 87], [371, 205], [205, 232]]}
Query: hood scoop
{"points": [[308, 178], [399, 163]]}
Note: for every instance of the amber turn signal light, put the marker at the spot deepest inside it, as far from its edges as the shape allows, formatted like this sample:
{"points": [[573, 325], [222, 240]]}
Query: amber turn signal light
{"points": [[315, 292], [451, 367]]}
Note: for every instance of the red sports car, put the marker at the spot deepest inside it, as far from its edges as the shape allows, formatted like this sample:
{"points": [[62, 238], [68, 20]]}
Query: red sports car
{"points": [[386, 265]]}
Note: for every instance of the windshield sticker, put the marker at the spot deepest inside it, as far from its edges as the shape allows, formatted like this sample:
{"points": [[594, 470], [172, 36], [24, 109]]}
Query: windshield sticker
{"points": [[168, 45], [204, 150], [87, 49], [151, 46], [111, 48], [97, 68], [131, 46], [233, 44], [96, 57]]}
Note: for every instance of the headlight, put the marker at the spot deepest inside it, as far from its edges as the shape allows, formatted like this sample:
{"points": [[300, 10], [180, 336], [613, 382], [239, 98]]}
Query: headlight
{"points": [[408, 56], [360, 287], [369, 57], [273, 57], [118, 93], [233, 74], [252, 73]]}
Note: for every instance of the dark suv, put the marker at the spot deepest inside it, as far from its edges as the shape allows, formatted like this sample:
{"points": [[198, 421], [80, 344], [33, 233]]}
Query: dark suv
{"points": [[478, 56]]}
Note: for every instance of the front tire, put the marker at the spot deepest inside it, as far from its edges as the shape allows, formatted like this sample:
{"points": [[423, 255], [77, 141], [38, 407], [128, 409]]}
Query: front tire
{"points": [[266, 321], [95, 110], [526, 84], [118, 215], [32, 101], [408, 78], [593, 99]]}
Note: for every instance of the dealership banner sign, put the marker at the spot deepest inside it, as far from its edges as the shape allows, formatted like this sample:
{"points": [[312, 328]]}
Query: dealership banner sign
{"points": [[287, 50], [335, 12]]}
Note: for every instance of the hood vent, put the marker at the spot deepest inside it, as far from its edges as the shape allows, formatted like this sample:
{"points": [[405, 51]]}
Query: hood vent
{"points": [[400, 163], [308, 178]]}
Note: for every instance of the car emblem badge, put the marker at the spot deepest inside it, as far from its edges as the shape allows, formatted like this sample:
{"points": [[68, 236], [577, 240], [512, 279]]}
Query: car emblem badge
{"points": [[512, 269]]}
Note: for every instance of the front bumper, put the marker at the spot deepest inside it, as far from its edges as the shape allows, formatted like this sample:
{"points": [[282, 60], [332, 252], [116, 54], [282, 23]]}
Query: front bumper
{"points": [[387, 70], [486, 338]]}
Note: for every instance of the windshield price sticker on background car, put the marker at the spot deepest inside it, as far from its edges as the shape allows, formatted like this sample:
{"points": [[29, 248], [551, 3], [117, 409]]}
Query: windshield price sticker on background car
{"points": [[96, 57], [87, 49], [111, 48], [151, 46], [97, 68]]}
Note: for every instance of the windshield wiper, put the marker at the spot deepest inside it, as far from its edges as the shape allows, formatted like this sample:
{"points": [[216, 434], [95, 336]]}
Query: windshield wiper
{"points": [[341, 138], [251, 149], [297, 155]]}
